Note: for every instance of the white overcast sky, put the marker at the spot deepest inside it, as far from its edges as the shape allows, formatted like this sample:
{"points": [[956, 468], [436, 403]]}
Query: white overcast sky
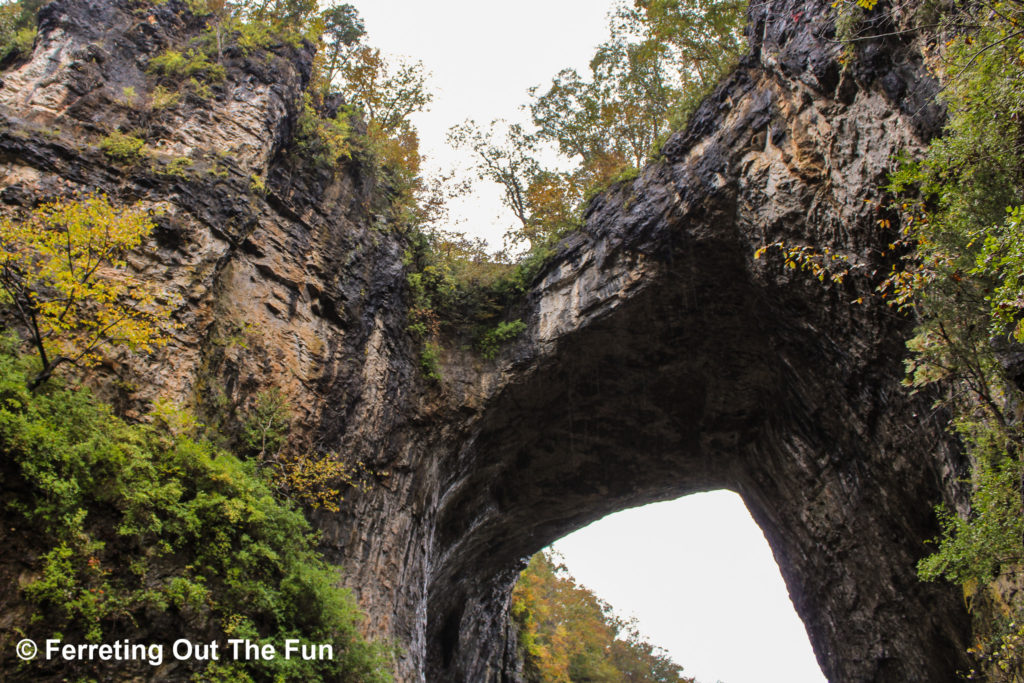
{"points": [[697, 572], [482, 57]]}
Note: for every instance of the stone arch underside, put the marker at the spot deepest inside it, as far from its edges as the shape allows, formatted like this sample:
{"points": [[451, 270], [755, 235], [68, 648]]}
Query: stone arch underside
{"points": [[660, 400], [663, 359]]}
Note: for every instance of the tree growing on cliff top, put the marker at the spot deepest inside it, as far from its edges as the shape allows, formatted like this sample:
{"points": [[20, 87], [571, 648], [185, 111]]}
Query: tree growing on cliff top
{"points": [[343, 31], [17, 27], [64, 277], [660, 59]]}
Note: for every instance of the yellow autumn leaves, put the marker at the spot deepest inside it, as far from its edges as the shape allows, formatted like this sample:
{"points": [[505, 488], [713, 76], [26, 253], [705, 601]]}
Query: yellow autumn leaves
{"points": [[65, 279]]}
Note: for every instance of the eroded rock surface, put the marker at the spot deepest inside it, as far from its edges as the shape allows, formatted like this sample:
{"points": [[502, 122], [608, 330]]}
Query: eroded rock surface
{"points": [[661, 358]]}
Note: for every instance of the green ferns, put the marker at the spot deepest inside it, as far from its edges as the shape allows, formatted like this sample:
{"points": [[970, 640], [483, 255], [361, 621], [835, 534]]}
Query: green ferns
{"points": [[135, 521]]}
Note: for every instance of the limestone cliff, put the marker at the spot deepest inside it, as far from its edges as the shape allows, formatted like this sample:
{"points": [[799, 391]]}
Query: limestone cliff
{"points": [[661, 358]]}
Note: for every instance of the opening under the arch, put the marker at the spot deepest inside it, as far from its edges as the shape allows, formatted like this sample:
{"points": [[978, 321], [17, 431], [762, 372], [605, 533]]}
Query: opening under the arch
{"points": [[699, 576]]}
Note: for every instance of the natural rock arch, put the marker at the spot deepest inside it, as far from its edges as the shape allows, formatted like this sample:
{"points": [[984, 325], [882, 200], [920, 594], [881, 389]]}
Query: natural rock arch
{"points": [[665, 359], [660, 357]]}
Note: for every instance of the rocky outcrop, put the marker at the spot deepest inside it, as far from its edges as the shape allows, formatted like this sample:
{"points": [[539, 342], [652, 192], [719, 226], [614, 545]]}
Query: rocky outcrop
{"points": [[661, 358]]}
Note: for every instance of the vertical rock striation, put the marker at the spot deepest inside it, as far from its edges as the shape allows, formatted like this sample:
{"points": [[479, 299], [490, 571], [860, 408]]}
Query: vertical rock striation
{"points": [[661, 358]]}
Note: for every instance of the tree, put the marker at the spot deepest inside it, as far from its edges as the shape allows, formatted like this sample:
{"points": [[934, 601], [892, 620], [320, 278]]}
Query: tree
{"points": [[387, 93], [621, 111], [659, 60], [64, 277], [265, 426], [279, 14], [17, 26], [705, 36], [220, 14], [567, 634], [506, 155], [343, 30]]}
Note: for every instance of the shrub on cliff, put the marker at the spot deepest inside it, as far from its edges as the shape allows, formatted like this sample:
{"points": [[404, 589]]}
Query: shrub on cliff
{"points": [[137, 525], [64, 277], [963, 275]]}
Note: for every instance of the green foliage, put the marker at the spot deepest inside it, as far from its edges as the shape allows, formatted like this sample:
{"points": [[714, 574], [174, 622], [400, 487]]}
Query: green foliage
{"points": [[192, 63], [343, 31], [178, 167], [456, 287], [704, 37], [430, 361], [386, 93], [288, 18], [21, 42], [254, 24], [567, 634], [963, 276], [661, 58], [978, 547], [382, 92], [128, 96], [162, 98], [491, 341], [323, 140], [123, 147], [257, 184], [1000, 260], [266, 425], [248, 25], [18, 27], [135, 521], [506, 156], [316, 480]]}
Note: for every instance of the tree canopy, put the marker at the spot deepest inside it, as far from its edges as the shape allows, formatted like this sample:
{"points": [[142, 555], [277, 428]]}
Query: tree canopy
{"points": [[660, 59], [569, 635], [64, 277]]}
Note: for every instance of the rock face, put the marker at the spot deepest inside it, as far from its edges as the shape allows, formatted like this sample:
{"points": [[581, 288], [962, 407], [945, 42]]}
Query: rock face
{"points": [[661, 357]]}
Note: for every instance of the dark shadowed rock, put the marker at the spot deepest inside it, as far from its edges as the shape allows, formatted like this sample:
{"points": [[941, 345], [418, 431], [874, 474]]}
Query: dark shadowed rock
{"points": [[661, 358]]}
